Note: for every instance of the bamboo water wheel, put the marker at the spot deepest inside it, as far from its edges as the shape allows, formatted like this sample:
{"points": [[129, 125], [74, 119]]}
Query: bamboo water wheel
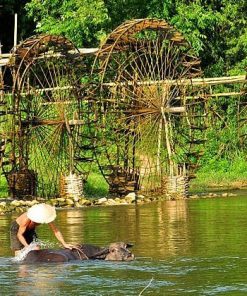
{"points": [[149, 117], [47, 116]]}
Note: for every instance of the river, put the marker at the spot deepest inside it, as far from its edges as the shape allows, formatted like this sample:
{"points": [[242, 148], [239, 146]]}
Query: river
{"points": [[185, 247]]}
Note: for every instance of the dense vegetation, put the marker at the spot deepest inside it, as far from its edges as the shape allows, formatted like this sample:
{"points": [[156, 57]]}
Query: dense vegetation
{"points": [[216, 29]]}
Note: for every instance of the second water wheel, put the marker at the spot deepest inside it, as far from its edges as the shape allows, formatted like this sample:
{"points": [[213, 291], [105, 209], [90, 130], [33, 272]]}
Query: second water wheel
{"points": [[149, 116]]}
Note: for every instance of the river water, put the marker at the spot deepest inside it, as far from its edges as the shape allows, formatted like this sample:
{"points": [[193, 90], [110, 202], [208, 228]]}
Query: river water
{"points": [[185, 247]]}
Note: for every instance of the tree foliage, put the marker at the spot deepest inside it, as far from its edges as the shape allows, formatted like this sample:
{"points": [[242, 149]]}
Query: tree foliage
{"points": [[80, 21], [216, 28]]}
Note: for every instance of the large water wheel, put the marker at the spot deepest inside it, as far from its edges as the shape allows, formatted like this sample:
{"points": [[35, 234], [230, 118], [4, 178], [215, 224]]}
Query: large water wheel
{"points": [[149, 116], [48, 116]]}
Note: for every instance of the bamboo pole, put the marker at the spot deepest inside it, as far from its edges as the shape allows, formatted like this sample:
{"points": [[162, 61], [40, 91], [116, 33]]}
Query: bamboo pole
{"points": [[15, 31], [159, 145], [5, 57], [229, 81], [168, 143], [211, 95], [192, 82], [1, 72]]}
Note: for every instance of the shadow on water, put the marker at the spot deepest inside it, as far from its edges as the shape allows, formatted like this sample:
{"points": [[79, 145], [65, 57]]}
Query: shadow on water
{"points": [[187, 247]]}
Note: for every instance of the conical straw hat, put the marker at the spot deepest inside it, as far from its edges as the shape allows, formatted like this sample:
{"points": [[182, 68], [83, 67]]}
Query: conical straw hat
{"points": [[41, 213]]}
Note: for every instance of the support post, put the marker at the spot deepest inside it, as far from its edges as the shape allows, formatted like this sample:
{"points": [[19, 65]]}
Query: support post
{"points": [[15, 31]]}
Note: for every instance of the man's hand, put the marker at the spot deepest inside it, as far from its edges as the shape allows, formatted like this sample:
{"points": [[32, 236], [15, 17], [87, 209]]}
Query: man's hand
{"points": [[69, 246]]}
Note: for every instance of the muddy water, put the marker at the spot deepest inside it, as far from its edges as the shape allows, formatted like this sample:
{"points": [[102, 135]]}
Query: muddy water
{"points": [[188, 247]]}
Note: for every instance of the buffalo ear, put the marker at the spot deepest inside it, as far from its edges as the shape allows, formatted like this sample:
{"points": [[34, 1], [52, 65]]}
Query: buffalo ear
{"points": [[129, 245]]}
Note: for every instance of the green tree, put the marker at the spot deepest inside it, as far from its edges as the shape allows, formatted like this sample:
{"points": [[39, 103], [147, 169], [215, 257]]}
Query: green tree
{"points": [[87, 21], [122, 10], [217, 31], [234, 22], [82, 21]]}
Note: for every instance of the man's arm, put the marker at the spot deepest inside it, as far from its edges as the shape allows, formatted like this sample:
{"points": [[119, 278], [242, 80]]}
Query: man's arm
{"points": [[59, 236], [20, 236]]}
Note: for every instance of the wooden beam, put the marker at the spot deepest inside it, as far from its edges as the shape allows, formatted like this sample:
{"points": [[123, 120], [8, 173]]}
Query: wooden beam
{"points": [[207, 96], [5, 57], [185, 82], [227, 94]]}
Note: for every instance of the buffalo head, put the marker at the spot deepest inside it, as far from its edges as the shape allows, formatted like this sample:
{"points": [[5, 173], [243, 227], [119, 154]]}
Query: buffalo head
{"points": [[119, 252]]}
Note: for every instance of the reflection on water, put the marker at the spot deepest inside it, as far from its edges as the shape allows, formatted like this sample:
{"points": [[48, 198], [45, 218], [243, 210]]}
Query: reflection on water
{"points": [[188, 247]]}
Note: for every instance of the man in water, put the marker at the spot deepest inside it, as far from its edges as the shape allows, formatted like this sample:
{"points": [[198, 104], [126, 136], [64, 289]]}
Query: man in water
{"points": [[22, 231]]}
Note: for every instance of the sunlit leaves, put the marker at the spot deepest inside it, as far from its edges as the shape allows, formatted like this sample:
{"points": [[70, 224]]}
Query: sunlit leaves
{"points": [[80, 21]]}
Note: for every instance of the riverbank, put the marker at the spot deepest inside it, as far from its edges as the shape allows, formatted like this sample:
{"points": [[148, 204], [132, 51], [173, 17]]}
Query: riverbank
{"points": [[211, 182], [222, 174], [14, 205], [20, 206], [204, 186]]}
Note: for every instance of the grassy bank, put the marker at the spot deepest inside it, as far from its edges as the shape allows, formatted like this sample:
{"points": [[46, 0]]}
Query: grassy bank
{"points": [[214, 174], [96, 185], [222, 173], [218, 180], [3, 187]]}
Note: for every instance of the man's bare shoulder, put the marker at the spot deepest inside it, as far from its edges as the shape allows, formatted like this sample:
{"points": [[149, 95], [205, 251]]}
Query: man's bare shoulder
{"points": [[23, 220]]}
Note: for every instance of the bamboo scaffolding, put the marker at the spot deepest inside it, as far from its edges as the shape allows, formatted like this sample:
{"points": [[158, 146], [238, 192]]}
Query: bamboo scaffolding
{"points": [[205, 96], [6, 57], [194, 82], [184, 82]]}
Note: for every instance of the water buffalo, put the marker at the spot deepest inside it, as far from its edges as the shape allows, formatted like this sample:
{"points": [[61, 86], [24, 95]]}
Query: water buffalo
{"points": [[115, 252]]}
